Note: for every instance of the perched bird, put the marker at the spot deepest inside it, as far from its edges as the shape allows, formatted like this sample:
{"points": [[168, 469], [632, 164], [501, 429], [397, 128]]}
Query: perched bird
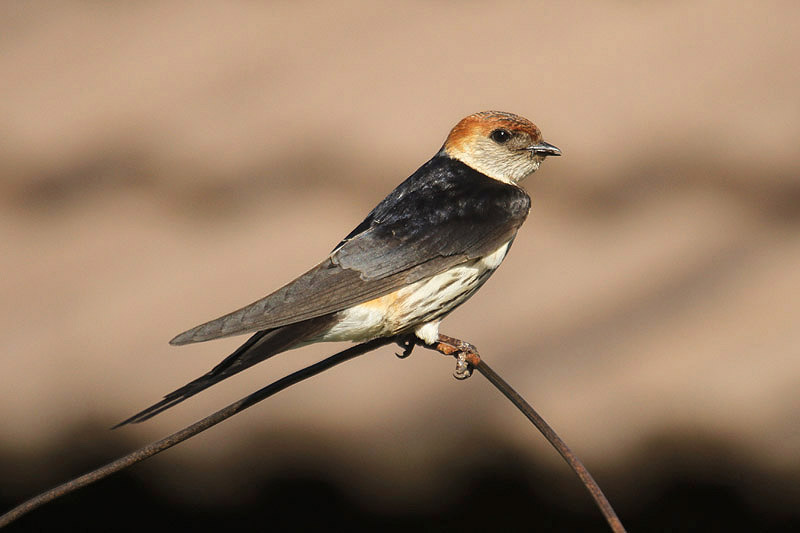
{"points": [[422, 252]]}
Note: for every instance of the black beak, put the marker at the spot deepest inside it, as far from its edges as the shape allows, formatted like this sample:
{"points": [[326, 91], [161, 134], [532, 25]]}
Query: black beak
{"points": [[543, 149]]}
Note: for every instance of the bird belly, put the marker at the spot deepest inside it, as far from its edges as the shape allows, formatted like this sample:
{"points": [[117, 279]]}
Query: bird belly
{"points": [[418, 307]]}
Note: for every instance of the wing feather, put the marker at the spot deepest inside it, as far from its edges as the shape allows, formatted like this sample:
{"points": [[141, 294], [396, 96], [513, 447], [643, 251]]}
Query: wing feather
{"points": [[443, 215]]}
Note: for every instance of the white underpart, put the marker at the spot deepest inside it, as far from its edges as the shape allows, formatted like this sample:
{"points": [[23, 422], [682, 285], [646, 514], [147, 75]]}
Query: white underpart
{"points": [[419, 307]]}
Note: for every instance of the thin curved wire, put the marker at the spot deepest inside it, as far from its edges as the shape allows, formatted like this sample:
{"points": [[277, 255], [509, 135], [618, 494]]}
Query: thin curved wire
{"points": [[296, 377], [552, 437]]}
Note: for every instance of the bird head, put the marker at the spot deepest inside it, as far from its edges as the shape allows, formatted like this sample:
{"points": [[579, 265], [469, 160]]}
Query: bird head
{"points": [[501, 145]]}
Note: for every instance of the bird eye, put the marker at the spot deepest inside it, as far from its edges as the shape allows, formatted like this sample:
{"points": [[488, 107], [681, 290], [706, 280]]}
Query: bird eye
{"points": [[500, 136]]}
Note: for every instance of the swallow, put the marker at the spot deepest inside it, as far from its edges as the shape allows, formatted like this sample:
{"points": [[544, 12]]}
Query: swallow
{"points": [[420, 253]]}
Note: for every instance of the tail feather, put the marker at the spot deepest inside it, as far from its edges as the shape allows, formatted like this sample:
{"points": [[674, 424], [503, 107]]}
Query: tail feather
{"points": [[258, 347]]}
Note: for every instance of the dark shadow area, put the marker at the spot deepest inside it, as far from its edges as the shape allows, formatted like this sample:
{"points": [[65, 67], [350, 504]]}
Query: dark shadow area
{"points": [[774, 197], [670, 485]]}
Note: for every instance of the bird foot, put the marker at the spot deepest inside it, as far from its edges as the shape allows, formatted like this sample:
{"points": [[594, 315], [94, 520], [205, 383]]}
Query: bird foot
{"points": [[463, 370], [467, 356], [407, 344]]}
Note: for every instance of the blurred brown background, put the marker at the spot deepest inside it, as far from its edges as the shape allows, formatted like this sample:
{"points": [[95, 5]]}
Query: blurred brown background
{"points": [[164, 163]]}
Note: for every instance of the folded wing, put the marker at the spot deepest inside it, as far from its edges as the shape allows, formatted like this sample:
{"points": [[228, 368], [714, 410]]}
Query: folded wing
{"points": [[443, 215]]}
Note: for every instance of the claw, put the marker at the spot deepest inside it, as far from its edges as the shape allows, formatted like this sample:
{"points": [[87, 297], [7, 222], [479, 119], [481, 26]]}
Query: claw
{"points": [[463, 369], [407, 345]]}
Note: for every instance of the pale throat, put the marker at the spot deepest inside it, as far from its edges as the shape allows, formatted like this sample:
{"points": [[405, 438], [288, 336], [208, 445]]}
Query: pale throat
{"points": [[498, 163]]}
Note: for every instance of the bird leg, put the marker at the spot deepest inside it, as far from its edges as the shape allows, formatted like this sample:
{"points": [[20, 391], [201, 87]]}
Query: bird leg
{"points": [[466, 354]]}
